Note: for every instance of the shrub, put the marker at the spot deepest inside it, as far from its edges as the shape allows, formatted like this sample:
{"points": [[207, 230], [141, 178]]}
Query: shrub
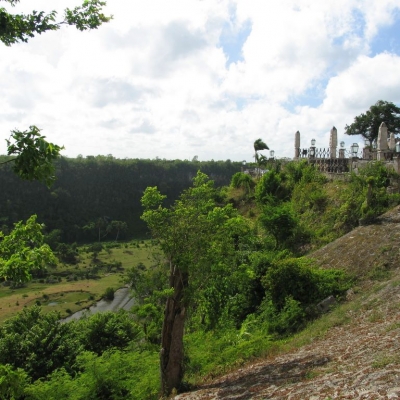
{"points": [[270, 189], [299, 280], [242, 181], [109, 294]]}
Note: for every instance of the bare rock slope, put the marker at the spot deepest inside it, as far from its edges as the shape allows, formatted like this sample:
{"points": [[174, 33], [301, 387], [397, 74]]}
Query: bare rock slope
{"points": [[359, 356]]}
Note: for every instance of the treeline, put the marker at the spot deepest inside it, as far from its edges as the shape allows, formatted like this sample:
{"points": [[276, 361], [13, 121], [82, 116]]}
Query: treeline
{"points": [[91, 194]]}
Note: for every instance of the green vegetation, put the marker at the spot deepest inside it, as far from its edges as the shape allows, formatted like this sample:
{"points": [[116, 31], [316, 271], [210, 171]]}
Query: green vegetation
{"points": [[98, 198], [20, 28], [216, 287], [23, 252], [367, 124], [33, 156], [79, 284]]}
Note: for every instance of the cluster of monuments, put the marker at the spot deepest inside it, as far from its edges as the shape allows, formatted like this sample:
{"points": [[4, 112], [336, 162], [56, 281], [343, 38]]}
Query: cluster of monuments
{"points": [[334, 160]]}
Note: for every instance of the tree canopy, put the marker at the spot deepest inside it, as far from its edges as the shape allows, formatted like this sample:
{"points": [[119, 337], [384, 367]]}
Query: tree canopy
{"points": [[367, 124], [259, 145], [16, 28]]}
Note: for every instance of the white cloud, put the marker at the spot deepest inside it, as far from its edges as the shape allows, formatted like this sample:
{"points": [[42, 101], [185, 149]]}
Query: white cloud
{"points": [[155, 80]]}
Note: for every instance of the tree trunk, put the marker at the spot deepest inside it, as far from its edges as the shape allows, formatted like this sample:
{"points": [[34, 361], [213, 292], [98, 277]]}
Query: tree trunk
{"points": [[171, 354]]}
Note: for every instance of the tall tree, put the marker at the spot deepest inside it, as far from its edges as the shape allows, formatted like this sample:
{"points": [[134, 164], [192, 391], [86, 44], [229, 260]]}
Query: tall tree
{"points": [[258, 146], [259, 159], [367, 124], [16, 28], [196, 236]]}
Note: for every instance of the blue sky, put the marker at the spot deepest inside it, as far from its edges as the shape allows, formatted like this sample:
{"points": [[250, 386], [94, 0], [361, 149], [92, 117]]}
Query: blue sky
{"points": [[387, 39], [182, 78]]}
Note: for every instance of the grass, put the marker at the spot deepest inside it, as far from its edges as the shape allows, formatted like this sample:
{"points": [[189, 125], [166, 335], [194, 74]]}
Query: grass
{"points": [[76, 294], [383, 360]]}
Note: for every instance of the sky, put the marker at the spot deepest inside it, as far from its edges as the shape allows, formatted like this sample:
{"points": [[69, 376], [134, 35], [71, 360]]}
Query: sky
{"points": [[175, 79]]}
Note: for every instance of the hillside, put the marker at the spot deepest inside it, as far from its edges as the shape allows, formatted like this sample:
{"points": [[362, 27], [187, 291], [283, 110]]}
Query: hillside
{"points": [[352, 352]]}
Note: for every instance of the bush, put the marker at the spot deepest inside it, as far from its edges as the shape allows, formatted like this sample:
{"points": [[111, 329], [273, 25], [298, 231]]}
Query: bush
{"points": [[37, 342], [242, 181], [279, 221], [299, 280], [270, 189], [290, 319], [104, 331], [109, 294]]}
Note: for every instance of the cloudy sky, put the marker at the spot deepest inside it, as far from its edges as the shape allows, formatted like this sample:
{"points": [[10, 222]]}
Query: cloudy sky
{"points": [[176, 79]]}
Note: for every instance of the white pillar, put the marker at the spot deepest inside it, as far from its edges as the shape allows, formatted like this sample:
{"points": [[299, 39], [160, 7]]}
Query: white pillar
{"points": [[333, 142], [382, 144], [392, 141], [296, 145]]}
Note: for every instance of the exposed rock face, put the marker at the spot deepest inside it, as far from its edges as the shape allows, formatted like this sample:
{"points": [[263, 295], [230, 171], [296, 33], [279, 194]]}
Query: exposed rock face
{"points": [[357, 359]]}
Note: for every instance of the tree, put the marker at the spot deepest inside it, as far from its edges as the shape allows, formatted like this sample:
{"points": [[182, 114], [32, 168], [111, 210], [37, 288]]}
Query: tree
{"points": [[12, 382], [367, 125], [117, 227], [23, 251], [258, 146], [259, 159], [34, 155], [104, 331], [37, 342], [16, 28], [197, 237]]}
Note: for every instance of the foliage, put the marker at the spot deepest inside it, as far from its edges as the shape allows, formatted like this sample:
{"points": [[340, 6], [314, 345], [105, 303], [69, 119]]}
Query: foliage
{"points": [[367, 124], [16, 28], [37, 342], [198, 238], [103, 331], [109, 294], [12, 382], [53, 238], [114, 375], [259, 145], [270, 188], [81, 193], [280, 222], [242, 181], [289, 319], [67, 253], [148, 285], [23, 252], [34, 155], [292, 283]]}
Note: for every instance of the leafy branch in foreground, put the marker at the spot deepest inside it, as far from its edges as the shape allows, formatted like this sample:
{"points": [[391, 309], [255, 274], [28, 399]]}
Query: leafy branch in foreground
{"points": [[23, 252], [15, 28], [34, 155]]}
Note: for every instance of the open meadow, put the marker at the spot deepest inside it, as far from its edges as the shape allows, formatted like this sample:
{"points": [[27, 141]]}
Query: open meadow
{"points": [[68, 288]]}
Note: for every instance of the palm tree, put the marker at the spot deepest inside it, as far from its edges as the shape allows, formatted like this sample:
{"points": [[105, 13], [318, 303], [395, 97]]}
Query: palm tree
{"points": [[259, 145]]}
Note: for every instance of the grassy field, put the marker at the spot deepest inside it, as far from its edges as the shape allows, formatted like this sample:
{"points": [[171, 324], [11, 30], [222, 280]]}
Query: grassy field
{"points": [[72, 290]]}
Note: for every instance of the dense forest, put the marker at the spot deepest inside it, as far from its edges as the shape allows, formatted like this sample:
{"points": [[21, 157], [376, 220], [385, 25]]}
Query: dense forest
{"points": [[89, 193], [234, 280]]}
